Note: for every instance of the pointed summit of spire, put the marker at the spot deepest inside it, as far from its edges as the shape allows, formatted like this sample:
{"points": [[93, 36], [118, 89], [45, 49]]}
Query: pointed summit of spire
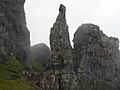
{"points": [[61, 17]]}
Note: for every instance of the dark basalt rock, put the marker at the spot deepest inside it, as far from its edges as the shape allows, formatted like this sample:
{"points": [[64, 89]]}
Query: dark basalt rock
{"points": [[96, 58], [14, 35]]}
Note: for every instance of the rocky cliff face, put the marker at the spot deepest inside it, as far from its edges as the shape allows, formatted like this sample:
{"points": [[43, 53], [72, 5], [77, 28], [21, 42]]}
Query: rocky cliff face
{"points": [[14, 35], [93, 63], [96, 58]]}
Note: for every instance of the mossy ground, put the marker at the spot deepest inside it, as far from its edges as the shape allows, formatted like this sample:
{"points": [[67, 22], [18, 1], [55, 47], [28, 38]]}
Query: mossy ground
{"points": [[11, 77], [37, 66]]}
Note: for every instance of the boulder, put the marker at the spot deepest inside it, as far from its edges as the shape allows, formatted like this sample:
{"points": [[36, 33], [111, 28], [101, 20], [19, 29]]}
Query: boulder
{"points": [[40, 55]]}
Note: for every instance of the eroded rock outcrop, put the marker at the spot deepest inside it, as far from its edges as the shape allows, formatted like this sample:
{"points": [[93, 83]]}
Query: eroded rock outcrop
{"points": [[93, 63], [60, 75], [14, 35], [96, 58]]}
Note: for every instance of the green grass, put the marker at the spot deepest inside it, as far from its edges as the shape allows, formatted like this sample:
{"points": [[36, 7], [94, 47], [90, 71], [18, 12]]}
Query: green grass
{"points": [[37, 66], [16, 84], [11, 77]]}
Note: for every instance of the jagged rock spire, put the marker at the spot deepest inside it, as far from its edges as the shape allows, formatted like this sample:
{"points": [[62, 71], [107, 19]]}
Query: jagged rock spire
{"points": [[61, 17], [60, 42], [61, 75]]}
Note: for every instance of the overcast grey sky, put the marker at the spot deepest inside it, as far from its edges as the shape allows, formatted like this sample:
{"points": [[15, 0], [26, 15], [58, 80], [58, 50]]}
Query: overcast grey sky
{"points": [[41, 14]]}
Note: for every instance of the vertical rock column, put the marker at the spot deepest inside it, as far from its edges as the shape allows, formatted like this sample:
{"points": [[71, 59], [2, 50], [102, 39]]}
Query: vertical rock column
{"points": [[61, 75], [60, 43]]}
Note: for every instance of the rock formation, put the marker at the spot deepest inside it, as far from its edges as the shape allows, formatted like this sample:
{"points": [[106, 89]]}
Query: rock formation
{"points": [[61, 50], [14, 35], [40, 55], [96, 58], [60, 75], [93, 63]]}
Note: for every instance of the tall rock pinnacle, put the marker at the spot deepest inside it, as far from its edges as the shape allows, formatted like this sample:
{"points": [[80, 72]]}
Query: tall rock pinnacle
{"points": [[14, 35], [61, 76], [61, 17], [59, 41]]}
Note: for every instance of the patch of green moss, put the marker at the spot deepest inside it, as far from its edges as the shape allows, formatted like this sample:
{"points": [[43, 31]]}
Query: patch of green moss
{"points": [[37, 66], [16, 84], [11, 77]]}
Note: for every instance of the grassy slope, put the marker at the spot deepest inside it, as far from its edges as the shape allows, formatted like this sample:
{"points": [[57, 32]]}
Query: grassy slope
{"points": [[11, 77]]}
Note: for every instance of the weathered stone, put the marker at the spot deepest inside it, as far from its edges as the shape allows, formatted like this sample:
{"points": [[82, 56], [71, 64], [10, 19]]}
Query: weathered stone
{"points": [[61, 50], [93, 63], [14, 35], [96, 58], [60, 76]]}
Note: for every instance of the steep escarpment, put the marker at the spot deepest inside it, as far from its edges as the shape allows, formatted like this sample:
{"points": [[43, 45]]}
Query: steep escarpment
{"points": [[96, 58], [14, 35], [14, 46]]}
